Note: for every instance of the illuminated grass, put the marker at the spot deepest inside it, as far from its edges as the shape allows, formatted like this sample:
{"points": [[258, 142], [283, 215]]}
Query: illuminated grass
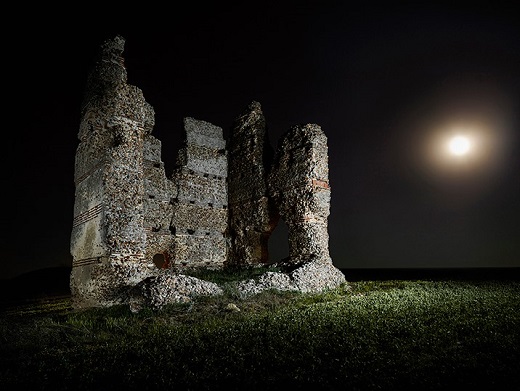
{"points": [[367, 335]]}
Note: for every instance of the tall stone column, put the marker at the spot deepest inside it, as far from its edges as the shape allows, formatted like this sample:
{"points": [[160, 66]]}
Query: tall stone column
{"points": [[299, 185]]}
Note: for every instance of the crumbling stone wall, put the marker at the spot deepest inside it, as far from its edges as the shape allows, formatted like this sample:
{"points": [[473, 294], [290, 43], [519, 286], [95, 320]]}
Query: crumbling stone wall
{"points": [[200, 207], [299, 185], [252, 217]]}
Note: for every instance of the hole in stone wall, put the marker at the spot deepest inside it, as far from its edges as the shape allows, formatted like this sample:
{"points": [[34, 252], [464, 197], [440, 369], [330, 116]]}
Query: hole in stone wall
{"points": [[173, 230], [151, 196], [157, 165], [206, 175], [278, 245], [210, 204], [192, 202], [191, 231], [160, 261]]}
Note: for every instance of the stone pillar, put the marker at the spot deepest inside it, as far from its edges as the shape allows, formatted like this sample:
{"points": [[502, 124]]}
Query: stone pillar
{"points": [[299, 185], [252, 217]]}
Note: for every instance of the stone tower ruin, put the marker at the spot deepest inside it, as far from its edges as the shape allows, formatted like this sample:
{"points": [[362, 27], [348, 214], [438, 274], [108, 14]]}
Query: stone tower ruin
{"points": [[216, 210]]}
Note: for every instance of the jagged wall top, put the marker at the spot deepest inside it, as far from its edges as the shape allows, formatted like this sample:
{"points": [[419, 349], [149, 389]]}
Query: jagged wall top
{"points": [[108, 93], [129, 217]]}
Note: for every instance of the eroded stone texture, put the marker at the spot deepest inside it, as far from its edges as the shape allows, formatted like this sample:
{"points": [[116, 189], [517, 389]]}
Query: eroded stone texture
{"points": [[129, 219], [168, 288], [313, 276], [200, 207], [252, 217], [299, 185], [158, 209], [108, 232]]}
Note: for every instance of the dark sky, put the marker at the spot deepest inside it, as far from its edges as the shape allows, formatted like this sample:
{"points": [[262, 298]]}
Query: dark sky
{"points": [[387, 84]]}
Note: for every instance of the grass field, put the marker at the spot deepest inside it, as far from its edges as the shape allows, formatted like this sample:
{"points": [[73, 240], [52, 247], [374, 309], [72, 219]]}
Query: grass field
{"points": [[365, 335]]}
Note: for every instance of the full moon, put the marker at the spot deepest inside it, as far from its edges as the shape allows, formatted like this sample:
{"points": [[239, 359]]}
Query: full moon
{"points": [[459, 145]]}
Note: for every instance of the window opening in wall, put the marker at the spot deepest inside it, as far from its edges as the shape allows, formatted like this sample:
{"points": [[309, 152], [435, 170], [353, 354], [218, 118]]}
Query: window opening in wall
{"points": [[157, 165], [191, 231], [173, 230]]}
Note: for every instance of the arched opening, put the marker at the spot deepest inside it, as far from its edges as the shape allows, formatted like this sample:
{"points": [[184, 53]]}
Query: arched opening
{"points": [[278, 244]]}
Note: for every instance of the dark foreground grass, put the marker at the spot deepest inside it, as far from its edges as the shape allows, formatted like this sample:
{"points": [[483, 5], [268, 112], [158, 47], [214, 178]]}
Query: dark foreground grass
{"points": [[366, 335]]}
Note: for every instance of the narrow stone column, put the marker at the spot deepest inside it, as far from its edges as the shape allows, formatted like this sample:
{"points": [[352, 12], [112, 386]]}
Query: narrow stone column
{"points": [[299, 185]]}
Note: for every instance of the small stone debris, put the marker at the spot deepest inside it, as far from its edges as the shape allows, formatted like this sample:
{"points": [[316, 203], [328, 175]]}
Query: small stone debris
{"points": [[232, 307]]}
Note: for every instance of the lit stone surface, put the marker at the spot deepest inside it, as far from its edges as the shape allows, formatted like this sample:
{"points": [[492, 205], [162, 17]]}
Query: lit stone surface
{"points": [[169, 288], [108, 239], [136, 232], [200, 214], [299, 185], [311, 277]]}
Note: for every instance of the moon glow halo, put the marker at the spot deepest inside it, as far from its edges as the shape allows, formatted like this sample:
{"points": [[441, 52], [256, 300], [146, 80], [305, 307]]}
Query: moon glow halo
{"points": [[459, 146]]}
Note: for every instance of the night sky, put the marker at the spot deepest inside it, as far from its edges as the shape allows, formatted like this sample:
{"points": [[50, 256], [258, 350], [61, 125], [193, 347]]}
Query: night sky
{"points": [[388, 85]]}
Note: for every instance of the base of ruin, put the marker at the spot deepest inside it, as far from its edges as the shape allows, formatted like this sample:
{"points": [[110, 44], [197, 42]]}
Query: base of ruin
{"points": [[157, 288]]}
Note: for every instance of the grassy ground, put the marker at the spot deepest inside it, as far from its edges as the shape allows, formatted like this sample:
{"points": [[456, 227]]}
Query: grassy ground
{"points": [[367, 335]]}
